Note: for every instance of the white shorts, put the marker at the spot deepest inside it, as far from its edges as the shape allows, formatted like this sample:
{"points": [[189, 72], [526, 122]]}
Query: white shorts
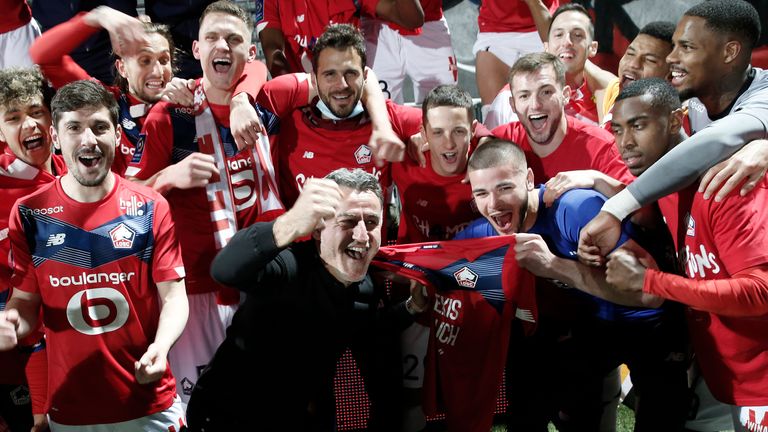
{"points": [[170, 419], [205, 331], [14, 45], [508, 47], [413, 343], [750, 418], [500, 111], [427, 58]]}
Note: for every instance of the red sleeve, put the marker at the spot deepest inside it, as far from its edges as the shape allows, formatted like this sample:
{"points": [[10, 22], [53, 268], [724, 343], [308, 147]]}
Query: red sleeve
{"points": [[253, 78], [153, 151], [368, 7], [51, 50], [271, 17], [37, 380], [405, 120], [23, 277], [166, 259], [285, 93], [743, 295]]}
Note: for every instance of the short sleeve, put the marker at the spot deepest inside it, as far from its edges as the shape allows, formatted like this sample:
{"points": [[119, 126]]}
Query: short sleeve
{"points": [[167, 264], [20, 259]]}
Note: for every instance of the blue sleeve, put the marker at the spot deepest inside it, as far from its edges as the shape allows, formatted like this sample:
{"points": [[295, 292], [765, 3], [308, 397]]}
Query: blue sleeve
{"points": [[576, 208], [478, 228]]}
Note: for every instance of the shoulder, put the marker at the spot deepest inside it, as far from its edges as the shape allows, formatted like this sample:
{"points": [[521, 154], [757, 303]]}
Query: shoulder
{"points": [[595, 135], [476, 229]]}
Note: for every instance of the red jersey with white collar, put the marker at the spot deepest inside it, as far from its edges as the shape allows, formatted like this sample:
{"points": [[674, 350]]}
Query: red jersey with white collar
{"points": [[476, 289], [584, 147], [303, 21], [722, 239], [434, 207], [509, 16], [311, 146], [95, 266], [582, 105], [170, 135]]}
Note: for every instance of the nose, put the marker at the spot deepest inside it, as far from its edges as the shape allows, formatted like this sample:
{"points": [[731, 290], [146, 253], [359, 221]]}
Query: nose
{"points": [[221, 44], [360, 233], [29, 123], [625, 140], [672, 57], [157, 69], [88, 138], [635, 62]]}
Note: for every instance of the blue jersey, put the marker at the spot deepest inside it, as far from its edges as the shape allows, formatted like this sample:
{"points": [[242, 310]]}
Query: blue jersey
{"points": [[559, 225]]}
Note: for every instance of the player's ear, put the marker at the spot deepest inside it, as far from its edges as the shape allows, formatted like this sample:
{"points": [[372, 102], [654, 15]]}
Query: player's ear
{"points": [[120, 67], [55, 137], [118, 134], [196, 49], [676, 121], [529, 180], [252, 52]]}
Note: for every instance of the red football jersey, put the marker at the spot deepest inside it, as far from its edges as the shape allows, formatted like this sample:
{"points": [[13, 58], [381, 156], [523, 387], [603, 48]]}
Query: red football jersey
{"points": [[584, 147], [509, 16], [95, 266], [434, 207], [475, 289], [309, 146], [582, 105], [303, 21], [721, 239]]}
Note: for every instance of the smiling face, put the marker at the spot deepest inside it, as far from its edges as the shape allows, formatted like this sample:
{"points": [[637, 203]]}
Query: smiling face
{"points": [[223, 49], [645, 58], [539, 101], [87, 139], [643, 133], [25, 128], [148, 71], [696, 62], [570, 40], [448, 131], [339, 79], [501, 195], [349, 241]]}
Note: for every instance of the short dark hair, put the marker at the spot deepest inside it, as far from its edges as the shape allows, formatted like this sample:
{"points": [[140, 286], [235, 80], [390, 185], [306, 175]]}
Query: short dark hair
{"points": [[358, 180], [663, 95], [164, 31], [662, 30], [448, 95], [730, 17], [340, 37], [573, 7], [228, 8], [496, 152], [83, 94], [533, 62]]}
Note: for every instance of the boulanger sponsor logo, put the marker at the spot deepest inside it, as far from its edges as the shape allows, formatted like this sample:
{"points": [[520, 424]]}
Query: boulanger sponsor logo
{"points": [[43, 211], [466, 277], [363, 154], [90, 278], [97, 311], [122, 236]]}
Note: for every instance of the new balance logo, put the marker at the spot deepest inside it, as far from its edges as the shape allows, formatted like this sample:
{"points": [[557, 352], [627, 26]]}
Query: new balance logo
{"points": [[56, 239], [308, 155]]}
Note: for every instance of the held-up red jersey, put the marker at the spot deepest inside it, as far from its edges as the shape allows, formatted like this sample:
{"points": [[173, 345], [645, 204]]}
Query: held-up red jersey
{"points": [[720, 240], [475, 289], [95, 266], [310, 146], [303, 21], [584, 147], [509, 16]]}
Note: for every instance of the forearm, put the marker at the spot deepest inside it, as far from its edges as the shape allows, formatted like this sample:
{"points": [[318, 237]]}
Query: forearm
{"points": [[248, 252], [28, 316], [682, 165], [49, 48], [173, 314], [607, 185], [744, 295], [273, 44], [161, 181], [541, 17], [253, 78], [407, 13], [375, 102]]}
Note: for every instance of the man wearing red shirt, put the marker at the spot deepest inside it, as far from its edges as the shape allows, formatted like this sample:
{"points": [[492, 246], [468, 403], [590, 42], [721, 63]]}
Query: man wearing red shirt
{"points": [[288, 30], [17, 31], [96, 257]]}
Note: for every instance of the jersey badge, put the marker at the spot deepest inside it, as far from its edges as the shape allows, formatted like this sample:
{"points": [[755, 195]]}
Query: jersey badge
{"points": [[691, 232], [363, 154], [465, 277], [122, 237]]}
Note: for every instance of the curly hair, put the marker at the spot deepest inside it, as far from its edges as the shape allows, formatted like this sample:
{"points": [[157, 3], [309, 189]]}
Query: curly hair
{"points": [[19, 86]]}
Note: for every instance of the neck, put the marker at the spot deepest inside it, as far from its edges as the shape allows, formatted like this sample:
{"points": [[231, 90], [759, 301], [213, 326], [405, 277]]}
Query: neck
{"points": [[547, 148], [216, 96], [47, 166], [725, 92], [87, 194], [574, 80], [532, 211]]}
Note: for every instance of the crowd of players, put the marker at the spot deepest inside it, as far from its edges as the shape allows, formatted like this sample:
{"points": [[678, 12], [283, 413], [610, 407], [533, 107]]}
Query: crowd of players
{"points": [[194, 254]]}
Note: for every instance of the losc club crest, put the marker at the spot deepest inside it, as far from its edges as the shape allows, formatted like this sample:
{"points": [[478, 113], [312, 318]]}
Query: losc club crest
{"points": [[122, 237], [466, 277], [363, 154]]}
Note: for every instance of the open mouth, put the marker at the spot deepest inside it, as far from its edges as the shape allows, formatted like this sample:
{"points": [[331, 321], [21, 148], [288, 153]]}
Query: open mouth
{"points": [[503, 222], [342, 97], [631, 159], [538, 121], [356, 252], [33, 142], [626, 79], [566, 56], [89, 160], [450, 157], [222, 65], [155, 85], [678, 76]]}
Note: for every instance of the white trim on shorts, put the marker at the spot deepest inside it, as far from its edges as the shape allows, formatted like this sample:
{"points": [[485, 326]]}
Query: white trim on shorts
{"points": [[508, 46]]}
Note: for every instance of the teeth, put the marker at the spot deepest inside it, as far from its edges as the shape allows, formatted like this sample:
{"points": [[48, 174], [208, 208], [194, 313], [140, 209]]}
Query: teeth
{"points": [[678, 74], [449, 155], [537, 117], [156, 84], [222, 61], [33, 138]]}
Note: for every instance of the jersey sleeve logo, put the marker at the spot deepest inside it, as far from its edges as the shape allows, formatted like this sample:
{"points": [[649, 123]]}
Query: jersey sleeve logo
{"points": [[96, 311], [363, 154], [465, 277], [122, 236]]}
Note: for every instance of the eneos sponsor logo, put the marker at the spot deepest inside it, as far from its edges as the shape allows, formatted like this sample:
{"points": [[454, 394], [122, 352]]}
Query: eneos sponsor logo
{"points": [[43, 211], [122, 237]]}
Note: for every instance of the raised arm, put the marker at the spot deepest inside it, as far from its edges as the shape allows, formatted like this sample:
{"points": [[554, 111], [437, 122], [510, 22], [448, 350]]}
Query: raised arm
{"points": [[541, 17]]}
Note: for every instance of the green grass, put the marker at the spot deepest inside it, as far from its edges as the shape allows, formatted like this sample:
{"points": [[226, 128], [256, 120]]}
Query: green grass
{"points": [[625, 421]]}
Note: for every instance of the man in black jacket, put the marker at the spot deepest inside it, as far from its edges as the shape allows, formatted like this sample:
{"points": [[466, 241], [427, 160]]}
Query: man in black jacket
{"points": [[307, 302]]}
